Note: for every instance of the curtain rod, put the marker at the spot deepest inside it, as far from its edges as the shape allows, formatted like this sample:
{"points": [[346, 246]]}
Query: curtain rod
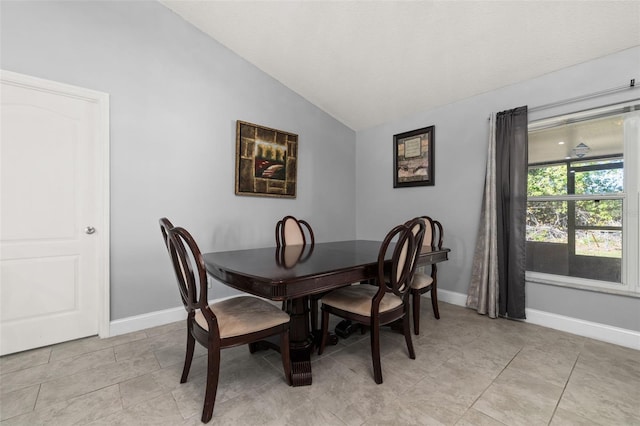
{"points": [[632, 85]]}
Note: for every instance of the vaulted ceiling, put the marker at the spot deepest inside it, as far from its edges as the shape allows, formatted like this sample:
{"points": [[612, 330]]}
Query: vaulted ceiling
{"points": [[369, 62]]}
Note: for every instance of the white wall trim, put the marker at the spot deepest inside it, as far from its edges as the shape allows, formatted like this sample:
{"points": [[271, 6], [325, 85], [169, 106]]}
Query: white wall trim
{"points": [[144, 321], [151, 319], [104, 173], [593, 330], [452, 297]]}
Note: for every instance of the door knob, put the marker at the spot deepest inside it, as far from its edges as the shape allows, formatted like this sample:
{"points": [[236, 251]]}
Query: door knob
{"points": [[89, 230]]}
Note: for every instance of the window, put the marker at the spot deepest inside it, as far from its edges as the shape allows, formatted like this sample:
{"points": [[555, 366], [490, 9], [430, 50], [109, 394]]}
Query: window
{"points": [[582, 199]]}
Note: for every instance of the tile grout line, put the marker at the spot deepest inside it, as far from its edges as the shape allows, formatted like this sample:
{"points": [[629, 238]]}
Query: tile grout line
{"points": [[115, 362], [35, 401], [2, 372], [563, 389], [488, 386], [45, 380]]}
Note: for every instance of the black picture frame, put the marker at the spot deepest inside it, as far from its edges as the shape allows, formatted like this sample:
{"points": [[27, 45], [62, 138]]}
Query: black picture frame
{"points": [[413, 158]]}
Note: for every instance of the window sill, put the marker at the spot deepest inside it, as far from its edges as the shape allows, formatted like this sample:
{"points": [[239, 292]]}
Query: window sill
{"points": [[578, 284]]}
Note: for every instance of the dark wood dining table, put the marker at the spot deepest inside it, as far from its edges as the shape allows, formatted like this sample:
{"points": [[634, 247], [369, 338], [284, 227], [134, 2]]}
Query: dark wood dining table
{"points": [[294, 273]]}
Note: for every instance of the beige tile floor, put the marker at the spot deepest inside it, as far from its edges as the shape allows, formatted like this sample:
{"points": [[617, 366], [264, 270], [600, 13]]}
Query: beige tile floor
{"points": [[470, 370]]}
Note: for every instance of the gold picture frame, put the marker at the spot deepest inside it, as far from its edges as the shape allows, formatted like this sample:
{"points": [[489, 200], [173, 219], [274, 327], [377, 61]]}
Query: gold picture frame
{"points": [[266, 161]]}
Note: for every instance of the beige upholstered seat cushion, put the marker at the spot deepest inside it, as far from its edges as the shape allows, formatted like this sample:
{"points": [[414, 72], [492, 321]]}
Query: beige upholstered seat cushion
{"points": [[421, 280], [243, 315], [357, 299]]}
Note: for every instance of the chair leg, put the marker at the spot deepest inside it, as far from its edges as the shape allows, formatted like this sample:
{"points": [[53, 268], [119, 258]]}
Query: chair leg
{"points": [[325, 331], [284, 353], [188, 357], [407, 335], [213, 372], [416, 311], [434, 300], [375, 352]]}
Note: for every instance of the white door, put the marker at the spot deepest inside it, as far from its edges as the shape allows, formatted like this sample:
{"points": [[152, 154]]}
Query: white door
{"points": [[53, 228]]}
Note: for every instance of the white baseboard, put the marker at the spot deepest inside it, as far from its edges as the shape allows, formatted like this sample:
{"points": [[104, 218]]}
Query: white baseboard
{"points": [[144, 321], [152, 319], [451, 297], [593, 330]]}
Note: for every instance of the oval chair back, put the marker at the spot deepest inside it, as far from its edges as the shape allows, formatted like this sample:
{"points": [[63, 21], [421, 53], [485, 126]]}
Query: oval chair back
{"points": [[165, 227], [433, 233], [423, 282], [403, 260], [191, 275], [291, 231]]}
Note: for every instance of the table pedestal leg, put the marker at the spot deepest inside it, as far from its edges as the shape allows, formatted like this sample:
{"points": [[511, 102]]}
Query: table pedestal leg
{"points": [[300, 342]]}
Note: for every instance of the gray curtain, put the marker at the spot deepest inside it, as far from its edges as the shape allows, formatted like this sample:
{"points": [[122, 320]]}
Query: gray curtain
{"points": [[498, 270], [511, 193], [483, 290]]}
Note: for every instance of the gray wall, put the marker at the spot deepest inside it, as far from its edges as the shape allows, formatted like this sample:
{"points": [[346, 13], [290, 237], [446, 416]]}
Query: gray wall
{"points": [[461, 140], [175, 96]]}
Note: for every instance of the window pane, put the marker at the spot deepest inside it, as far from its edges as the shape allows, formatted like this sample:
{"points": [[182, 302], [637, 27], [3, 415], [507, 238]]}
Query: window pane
{"points": [[599, 181], [547, 242], [547, 221], [599, 213], [547, 180], [599, 243], [555, 246], [599, 137]]}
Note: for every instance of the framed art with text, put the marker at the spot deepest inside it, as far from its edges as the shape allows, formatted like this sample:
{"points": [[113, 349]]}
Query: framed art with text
{"points": [[266, 161], [413, 158]]}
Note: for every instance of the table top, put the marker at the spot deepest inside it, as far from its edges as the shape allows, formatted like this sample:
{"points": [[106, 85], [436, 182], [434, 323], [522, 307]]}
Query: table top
{"points": [[277, 274]]}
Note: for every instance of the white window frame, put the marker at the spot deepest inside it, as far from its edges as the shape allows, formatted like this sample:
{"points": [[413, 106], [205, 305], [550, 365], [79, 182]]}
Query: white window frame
{"points": [[630, 203]]}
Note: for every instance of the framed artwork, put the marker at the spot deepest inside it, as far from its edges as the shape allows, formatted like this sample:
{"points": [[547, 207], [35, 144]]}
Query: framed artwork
{"points": [[413, 158], [266, 161]]}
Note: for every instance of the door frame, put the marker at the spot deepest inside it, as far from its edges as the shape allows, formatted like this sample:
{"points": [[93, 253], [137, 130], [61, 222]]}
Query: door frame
{"points": [[102, 138]]}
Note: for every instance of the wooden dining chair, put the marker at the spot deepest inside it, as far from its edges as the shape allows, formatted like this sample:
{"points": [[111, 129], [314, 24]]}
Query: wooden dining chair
{"points": [[422, 281], [388, 302], [294, 241], [291, 231], [294, 232], [231, 322]]}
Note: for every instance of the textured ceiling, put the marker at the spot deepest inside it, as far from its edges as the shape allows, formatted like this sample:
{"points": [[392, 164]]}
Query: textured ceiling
{"points": [[369, 62]]}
